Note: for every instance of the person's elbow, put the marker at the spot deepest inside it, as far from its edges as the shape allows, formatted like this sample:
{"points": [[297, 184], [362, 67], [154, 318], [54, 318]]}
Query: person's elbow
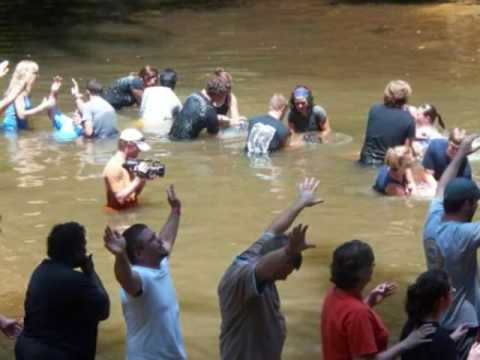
{"points": [[103, 308]]}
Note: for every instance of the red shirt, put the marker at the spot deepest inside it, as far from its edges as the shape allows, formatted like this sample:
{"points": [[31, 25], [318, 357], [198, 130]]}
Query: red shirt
{"points": [[350, 328]]}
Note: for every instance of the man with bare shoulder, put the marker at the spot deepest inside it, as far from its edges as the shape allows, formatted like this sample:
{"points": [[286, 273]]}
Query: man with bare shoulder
{"points": [[122, 185]]}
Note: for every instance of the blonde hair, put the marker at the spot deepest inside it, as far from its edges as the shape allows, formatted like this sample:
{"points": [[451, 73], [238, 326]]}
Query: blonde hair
{"points": [[23, 71], [457, 135], [399, 157], [277, 102], [396, 93]]}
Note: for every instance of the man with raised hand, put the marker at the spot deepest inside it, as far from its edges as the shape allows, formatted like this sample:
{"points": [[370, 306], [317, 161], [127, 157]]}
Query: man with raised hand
{"points": [[253, 326], [451, 241], [148, 296]]}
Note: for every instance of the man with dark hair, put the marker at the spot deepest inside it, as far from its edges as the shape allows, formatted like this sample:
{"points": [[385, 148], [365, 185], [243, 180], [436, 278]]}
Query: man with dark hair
{"points": [[160, 104], [98, 118], [128, 90], [252, 325], [198, 112], [148, 297], [451, 241], [63, 307]]}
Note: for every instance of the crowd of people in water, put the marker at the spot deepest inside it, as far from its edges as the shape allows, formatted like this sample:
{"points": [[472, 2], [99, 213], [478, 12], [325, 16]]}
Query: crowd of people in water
{"points": [[412, 149]]}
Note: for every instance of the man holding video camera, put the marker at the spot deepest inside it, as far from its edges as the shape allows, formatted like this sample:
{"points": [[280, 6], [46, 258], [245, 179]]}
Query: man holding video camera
{"points": [[124, 183]]}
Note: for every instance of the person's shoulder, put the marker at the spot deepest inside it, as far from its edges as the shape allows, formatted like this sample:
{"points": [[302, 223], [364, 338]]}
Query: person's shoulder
{"points": [[113, 166]]}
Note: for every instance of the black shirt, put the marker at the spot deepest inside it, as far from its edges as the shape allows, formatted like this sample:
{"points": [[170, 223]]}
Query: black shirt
{"points": [[442, 346], [265, 134], [197, 114], [62, 310], [386, 127], [302, 123]]}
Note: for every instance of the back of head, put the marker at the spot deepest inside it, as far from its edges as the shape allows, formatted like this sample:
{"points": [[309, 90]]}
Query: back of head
{"points": [[94, 87], [424, 294], [351, 263], [458, 191], [399, 157], [133, 241], [431, 112], [22, 72], [64, 242], [301, 91], [168, 78], [277, 102], [217, 86], [396, 93]]}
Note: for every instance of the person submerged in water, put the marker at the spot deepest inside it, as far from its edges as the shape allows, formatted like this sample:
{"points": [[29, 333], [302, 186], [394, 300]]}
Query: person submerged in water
{"points": [[307, 121], [17, 113]]}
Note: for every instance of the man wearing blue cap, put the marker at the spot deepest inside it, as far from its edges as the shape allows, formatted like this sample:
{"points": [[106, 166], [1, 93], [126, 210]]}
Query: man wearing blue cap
{"points": [[451, 241]]}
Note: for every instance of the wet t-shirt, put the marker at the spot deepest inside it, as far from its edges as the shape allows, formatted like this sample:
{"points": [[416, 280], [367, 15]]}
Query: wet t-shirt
{"points": [[103, 117], [314, 121], [120, 94], [265, 134], [197, 114], [252, 325], [452, 246], [436, 159], [386, 127]]}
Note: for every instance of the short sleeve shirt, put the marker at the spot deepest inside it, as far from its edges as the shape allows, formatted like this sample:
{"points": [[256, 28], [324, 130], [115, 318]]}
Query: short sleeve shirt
{"points": [[120, 94], [314, 121], [197, 114], [103, 117], [252, 325], [386, 127], [452, 246], [350, 328], [265, 134], [436, 159]]}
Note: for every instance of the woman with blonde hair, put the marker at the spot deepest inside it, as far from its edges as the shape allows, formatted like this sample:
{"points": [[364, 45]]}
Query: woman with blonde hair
{"points": [[230, 105], [17, 113], [393, 178]]}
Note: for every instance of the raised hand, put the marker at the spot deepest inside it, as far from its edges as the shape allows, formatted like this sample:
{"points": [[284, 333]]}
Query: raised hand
{"points": [[459, 332], [474, 353], [380, 292], [56, 84], [306, 192], [466, 147], [114, 242], [10, 327], [75, 89], [172, 198], [296, 240], [4, 68]]}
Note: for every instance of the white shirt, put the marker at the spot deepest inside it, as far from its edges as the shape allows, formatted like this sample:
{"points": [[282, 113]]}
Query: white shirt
{"points": [[159, 103]]}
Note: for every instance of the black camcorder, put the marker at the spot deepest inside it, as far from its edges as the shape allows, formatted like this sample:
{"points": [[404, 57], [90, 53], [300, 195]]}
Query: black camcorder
{"points": [[145, 168]]}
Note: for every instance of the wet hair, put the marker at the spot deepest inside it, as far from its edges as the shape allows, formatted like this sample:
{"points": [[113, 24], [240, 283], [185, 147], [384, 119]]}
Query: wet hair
{"points": [[432, 113], [216, 86], [399, 157], [292, 98], [147, 70], [23, 70], [94, 87], [168, 78], [456, 136], [424, 293], [133, 241], [277, 102], [350, 264], [219, 71], [65, 241], [396, 93]]}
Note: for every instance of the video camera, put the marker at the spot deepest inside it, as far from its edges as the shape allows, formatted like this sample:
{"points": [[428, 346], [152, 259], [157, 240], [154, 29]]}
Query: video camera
{"points": [[145, 168]]}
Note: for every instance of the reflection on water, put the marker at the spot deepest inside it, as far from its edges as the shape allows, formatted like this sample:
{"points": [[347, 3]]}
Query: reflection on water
{"points": [[228, 198]]}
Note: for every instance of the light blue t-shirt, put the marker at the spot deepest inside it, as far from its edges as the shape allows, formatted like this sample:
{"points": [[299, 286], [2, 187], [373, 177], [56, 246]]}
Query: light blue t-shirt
{"points": [[64, 128], [152, 318], [452, 246]]}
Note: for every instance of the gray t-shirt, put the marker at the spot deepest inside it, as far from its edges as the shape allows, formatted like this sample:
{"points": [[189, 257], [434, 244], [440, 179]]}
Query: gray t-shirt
{"points": [[252, 327], [452, 246], [103, 117]]}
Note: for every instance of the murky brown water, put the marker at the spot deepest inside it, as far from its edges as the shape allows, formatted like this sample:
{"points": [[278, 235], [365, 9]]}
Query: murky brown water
{"points": [[345, 53]]}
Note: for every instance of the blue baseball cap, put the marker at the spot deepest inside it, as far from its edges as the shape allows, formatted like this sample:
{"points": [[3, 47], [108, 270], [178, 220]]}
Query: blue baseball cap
{"points": [[461, 189]]}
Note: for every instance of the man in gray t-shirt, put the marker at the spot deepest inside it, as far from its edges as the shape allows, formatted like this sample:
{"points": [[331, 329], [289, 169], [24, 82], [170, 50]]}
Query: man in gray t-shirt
{"points": [[451, 240], [98, 117], [253, 328]]}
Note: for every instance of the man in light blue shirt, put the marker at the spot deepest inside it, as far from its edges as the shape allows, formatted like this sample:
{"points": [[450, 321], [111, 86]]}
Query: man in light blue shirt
{"points": [[148, 296], [451, 240]]}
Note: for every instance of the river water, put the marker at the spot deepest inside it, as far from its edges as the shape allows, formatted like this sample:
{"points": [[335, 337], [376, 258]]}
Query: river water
{"points": [[345, 53]]}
